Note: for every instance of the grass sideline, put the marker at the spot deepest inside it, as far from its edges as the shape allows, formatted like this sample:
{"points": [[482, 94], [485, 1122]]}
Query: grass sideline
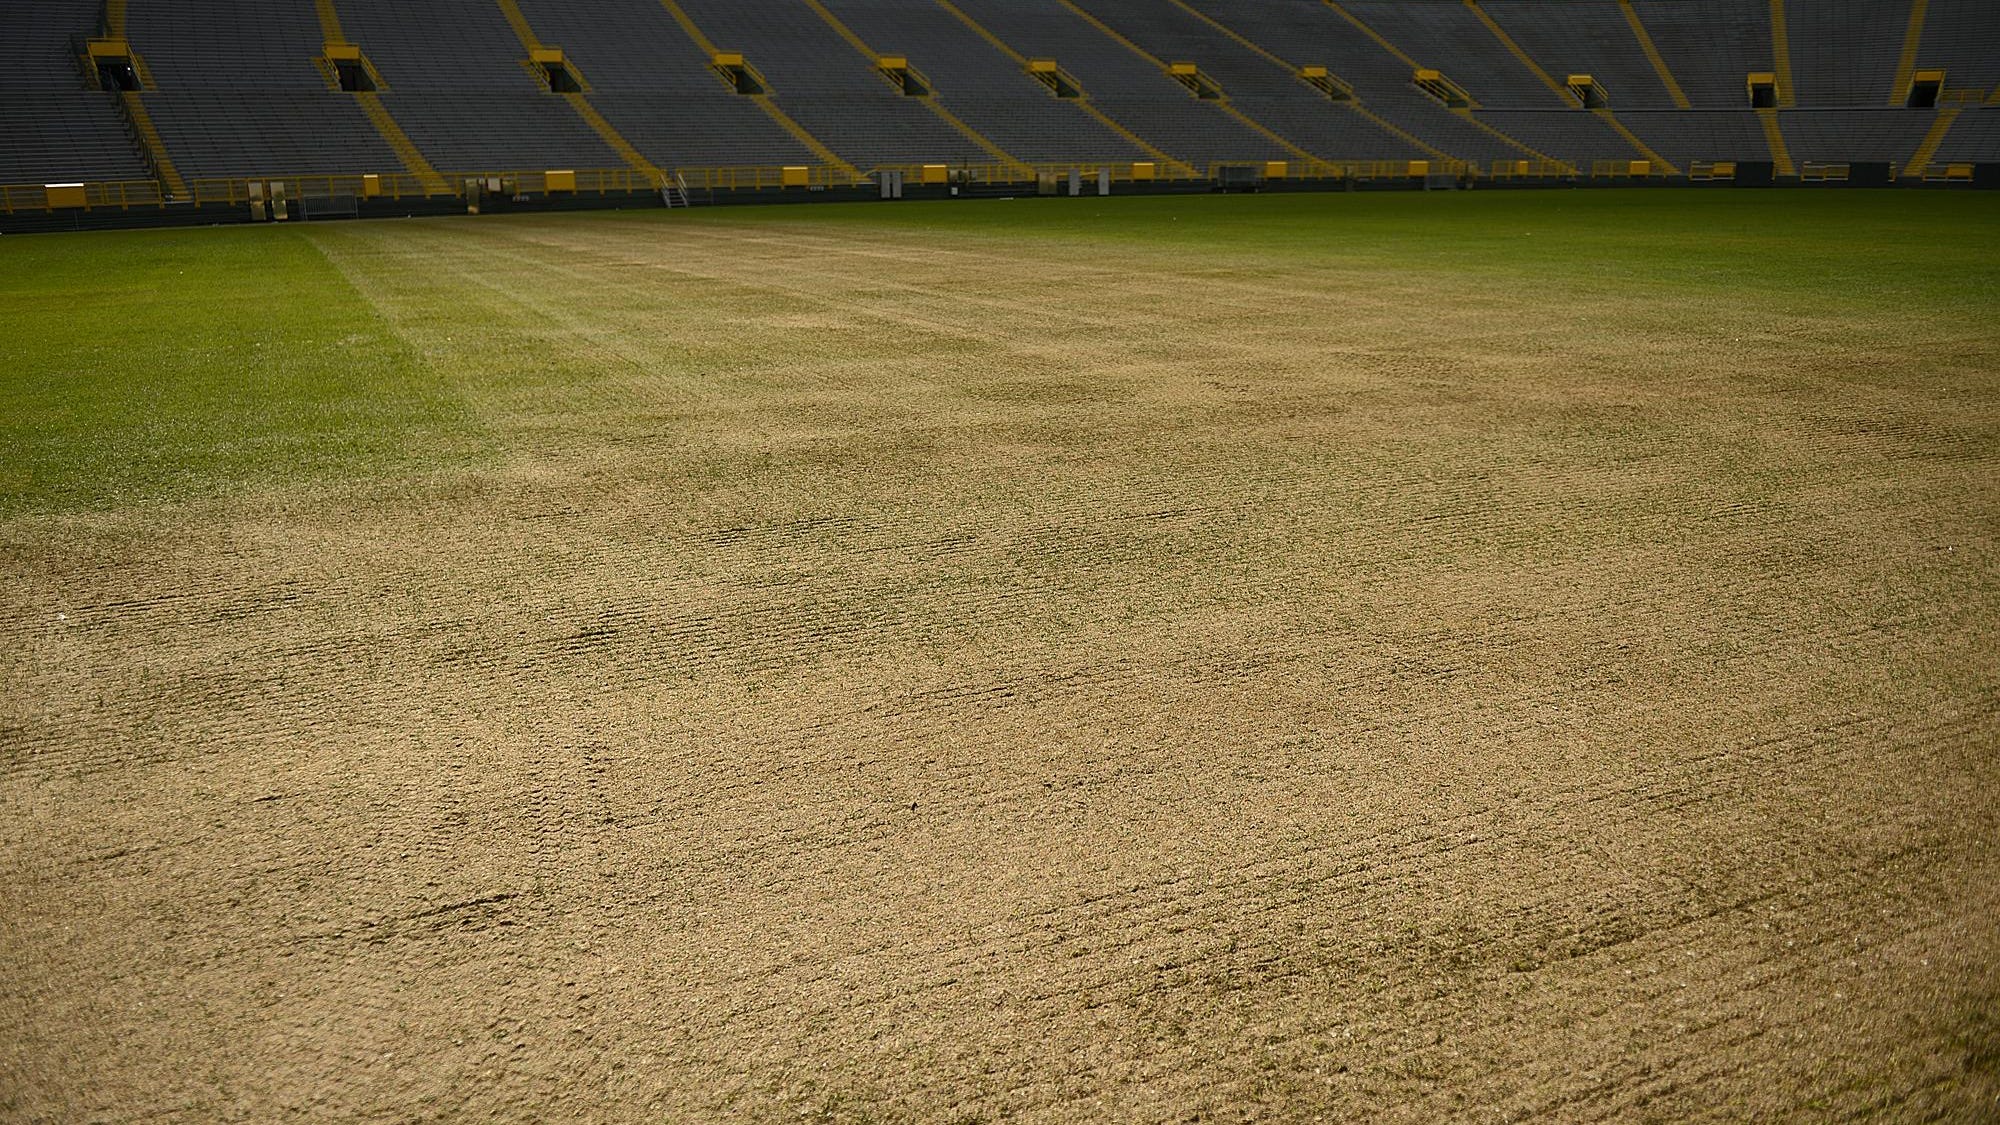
{"points": [[163, 365], [157, 365]]}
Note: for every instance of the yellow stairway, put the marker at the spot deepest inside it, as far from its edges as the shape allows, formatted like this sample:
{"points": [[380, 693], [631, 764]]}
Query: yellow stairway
{"points": [[1906, 62], [1221, 103], [763, 101], [1167, 162], [1653, 56], [580, 103], [378, 114], [1774, 139], [399, 142], [1932, 139], [1464, 114], [142, 123], [1562, 93], [930, 103]]}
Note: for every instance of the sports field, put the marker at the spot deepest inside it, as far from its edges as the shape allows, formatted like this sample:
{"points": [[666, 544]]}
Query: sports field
{"points": [[1410, 657]]}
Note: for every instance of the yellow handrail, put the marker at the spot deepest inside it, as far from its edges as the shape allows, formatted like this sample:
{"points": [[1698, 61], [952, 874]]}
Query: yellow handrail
{"points": [[1122, 172], [756, 177], [401, 185], [1529, 170], [236, 190], [121, 194]]}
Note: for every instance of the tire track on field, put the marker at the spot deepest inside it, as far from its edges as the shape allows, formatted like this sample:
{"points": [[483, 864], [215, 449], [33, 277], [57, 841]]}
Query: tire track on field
{"points": [[1356, 866], [711, 638], [1173, 735]]}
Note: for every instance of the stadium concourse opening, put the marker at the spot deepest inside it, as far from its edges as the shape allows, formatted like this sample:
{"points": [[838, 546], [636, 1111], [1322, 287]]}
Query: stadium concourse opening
{"points": [[112, 63], [903, 76], [1051, 74], [555, 70], [351, 72], [737, 73]]}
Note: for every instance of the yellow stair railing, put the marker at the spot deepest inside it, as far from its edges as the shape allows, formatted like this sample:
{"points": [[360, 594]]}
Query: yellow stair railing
{"points": [[1927, 150], [399, 143], [1561, 91], [929, 102], [1160, 156], [1774, 139], [378, 115], [762, 101], [578, 102], [1781, 57], [156, 150], [1653, 56], [1221, 103], [1464, 113], [1906, 61]]}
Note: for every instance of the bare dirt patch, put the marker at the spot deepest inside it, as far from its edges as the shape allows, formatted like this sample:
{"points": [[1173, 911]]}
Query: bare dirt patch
{"points": [[885, 685]]}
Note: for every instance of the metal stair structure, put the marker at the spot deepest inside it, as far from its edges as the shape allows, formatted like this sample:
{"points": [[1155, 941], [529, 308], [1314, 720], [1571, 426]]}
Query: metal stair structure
{"points": [[577, 99], [414, 162], [171, 182]]}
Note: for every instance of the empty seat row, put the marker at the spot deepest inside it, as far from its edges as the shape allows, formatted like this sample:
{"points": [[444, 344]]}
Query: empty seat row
{"points": [[60, 136], [240, 89]]}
